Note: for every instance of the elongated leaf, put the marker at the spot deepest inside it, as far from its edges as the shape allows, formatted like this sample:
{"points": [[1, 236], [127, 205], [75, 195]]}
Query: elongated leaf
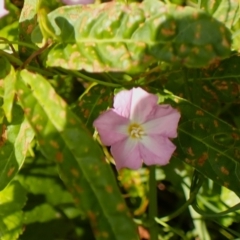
{"points": [[63, 138], [12, 200], [14, 142], [9, 93], [118, 37], [208, 144]]}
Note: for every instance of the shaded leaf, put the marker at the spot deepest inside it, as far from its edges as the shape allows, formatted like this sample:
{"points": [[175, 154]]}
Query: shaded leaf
{"points": [[63, 138], [14, 143], [12, 200], [95, 37], [208, 144]]}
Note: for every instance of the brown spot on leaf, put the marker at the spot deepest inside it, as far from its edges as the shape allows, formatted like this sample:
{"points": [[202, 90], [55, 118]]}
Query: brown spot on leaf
{"points": [[39, 128], [237, 153], [226, 184], [190, 151], [202, 159], [75, 172], [235, 136], [3, 137], [59, 157], [167, 32], [109, 188], [10, 171], [78, 188], [200, 113], [54, 144], [72, 121], [121, 207], [143, 233], [105, 234], [27, 110], [215, 122], [224, 170]]}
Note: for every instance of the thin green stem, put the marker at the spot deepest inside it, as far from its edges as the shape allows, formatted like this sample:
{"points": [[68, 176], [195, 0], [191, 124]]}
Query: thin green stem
{"points": [[78, 74], [192, 198], [6, 41], [152, 213], [186, 85]]}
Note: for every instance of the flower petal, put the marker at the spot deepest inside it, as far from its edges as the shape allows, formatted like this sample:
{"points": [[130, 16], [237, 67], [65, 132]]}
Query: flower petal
{"points": [[126, 154], [111, 127], [163, 121], [156, 150], [3, 11], [135, 104]]}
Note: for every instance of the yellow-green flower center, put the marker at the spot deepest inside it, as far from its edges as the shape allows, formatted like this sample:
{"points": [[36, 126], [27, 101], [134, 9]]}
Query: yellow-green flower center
{"points": [[135, 131]]}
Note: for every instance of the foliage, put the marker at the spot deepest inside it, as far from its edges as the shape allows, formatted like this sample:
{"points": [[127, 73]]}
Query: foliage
{"points": [[60, 69]]}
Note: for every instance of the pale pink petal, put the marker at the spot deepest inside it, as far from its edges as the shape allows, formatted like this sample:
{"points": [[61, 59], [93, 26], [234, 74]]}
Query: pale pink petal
{"points": [[126, 154], [164, 121], [156, 150], [111, 127], [135, 104], [3, 11]]}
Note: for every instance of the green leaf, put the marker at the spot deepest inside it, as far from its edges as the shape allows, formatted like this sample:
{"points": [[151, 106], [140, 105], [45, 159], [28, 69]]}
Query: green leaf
{"points": [[27, 22], [38, 173], [118, 37], [94, 100], [12, 200], [9, 93], [208, 144], [63, 138], [226, 11], [14, 143]]}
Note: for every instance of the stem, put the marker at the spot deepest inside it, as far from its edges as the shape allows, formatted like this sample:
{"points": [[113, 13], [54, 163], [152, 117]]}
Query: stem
{"points": [[78, 74], [152, 214], [186, 86]]}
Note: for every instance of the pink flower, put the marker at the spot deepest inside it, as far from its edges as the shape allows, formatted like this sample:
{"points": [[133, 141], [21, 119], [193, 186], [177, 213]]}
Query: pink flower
{"points": [[138, 129], [3, 11]]}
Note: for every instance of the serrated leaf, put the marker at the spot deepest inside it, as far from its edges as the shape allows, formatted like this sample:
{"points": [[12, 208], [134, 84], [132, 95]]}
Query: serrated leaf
{"points": [[94, 100], [208, 144], [12, 200], [63, 138], [118, 37], [14, 142]]}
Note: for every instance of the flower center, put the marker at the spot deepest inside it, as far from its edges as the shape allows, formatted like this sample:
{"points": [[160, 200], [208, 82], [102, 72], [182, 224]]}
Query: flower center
{"points": [[135, 130]]}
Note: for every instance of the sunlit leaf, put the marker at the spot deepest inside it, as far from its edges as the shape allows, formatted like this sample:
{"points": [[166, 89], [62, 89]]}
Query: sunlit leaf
{"points": [[9, 93], [95, 37], [63, 138], [226, 11]]}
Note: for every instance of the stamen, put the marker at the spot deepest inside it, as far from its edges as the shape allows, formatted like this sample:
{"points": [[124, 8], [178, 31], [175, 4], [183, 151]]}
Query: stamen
{"points": [[136, 131]]}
